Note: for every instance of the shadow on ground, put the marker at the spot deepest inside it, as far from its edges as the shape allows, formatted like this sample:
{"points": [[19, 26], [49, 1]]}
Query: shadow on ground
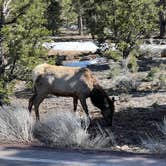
{"points": [[134, 92], [132, 124], [146, 63]]}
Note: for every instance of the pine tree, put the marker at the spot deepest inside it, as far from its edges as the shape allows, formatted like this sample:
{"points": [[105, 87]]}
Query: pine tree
{"points": [[53, 16], [121, 21], [22, 33]]}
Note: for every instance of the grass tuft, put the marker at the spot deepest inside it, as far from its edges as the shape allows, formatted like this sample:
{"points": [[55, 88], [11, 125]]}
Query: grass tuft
{"points": [[64, 129], [154, 144], [15, 125]]}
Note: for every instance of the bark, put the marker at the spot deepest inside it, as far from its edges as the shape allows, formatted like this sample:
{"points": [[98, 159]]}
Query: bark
{"points": [[126, 59], [162, 24], [2, 22], [2, 64], [80, 24], [162, 18], [125, 63]]}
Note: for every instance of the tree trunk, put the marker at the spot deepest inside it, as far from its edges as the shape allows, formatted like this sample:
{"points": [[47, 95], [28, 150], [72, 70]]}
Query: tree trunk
{"points": [[1, 59], [2, 21], [125, 63], [162, 24], [80, 25], [162, 18], [126, 59]]}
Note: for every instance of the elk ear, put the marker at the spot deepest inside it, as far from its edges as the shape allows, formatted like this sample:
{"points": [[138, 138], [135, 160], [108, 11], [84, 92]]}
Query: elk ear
{"points": [[113, 99]]}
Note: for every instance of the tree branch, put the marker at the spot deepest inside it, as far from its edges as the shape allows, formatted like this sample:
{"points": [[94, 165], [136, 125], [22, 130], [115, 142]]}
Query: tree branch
{"points": [[21, 12], [6, 10]]}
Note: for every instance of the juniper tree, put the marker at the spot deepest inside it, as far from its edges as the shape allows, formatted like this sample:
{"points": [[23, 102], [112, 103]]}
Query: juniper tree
{"points": [[53, 16], [121, 21], [21, 32]]}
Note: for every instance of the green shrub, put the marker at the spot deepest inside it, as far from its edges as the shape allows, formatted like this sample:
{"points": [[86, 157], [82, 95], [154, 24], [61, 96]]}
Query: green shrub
{"points": [[152, 73], [126, 83], [132, 65], [115, 72], [162, 66], [115, 55], [162, 81]]}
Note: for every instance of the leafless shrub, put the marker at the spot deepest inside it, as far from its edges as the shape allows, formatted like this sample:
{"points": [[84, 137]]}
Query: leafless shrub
{"points": [[115, 71], [64, 129], [155, 144], [162, 81], [125, 83], [162, 126], [15, 125]]}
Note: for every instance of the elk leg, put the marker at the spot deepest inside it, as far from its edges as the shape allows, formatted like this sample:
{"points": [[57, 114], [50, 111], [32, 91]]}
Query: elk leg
{"points": [[75, 102], [37, 101], [87, 121], [31, 100], [84, 106]]}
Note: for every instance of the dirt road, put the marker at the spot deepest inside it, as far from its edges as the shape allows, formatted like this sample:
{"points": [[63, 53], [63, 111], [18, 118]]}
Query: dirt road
{"points": [[48, 157]]}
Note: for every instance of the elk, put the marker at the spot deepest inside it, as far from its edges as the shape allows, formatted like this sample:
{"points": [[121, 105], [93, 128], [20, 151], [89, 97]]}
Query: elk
{"points": [[75, 82]]}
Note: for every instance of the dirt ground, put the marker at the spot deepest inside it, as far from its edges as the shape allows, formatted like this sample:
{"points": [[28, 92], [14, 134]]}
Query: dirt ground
{"points": [[137, 111]]}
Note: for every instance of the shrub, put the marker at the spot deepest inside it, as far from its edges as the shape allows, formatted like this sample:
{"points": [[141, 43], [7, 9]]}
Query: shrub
{"points": [[115, 55], [132, 65], [61, 129], [64, 129], [162, 81], [154, 144], [15, 125], [126, 83], [152, 73], [115, 71]]}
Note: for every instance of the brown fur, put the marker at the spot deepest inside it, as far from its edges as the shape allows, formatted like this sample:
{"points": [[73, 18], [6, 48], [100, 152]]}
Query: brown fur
{"points": [[75, 82]]}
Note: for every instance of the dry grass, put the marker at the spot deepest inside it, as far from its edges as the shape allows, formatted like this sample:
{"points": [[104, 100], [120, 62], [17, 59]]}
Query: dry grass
{"points": [[154, 144], [125, 83], [15, 125], [65, 129]]}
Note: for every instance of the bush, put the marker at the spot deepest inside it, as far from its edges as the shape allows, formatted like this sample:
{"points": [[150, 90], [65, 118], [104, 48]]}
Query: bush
{"points": [[15, 125], [125, 83], [132, 65], [162, 81], [64, 129], [152, 73], [60, 129], [5, 91], [115, 55], [115, 71], [154, 144]]}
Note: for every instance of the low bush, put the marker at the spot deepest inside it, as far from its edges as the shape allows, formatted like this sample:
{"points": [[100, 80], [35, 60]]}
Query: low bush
{"points": [[15, 125], [154, 144], [115, 55], [151, 74], [114, 72], [125, 83], [64, 129], [59, 129]]}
